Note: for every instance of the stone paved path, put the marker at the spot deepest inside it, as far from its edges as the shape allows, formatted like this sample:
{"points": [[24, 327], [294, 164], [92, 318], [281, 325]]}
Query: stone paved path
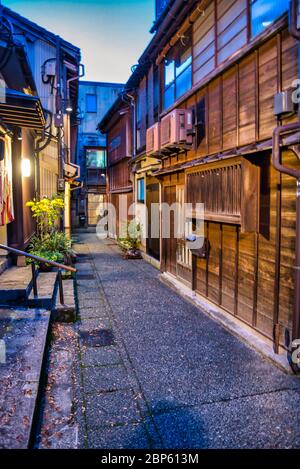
{"points": [[166, 375]]}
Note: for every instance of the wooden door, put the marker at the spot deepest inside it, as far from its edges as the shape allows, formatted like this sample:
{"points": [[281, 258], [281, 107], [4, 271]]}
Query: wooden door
{"points": [[153, 244], [170, 242]]}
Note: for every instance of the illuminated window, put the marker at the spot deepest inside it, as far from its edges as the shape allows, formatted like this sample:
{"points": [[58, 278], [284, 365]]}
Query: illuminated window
{"points": [[265, 12], [141, 190], [178, 70], [91, 102], [96, 158]]}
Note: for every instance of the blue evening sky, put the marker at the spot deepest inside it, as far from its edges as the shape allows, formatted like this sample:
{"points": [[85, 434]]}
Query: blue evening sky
{"points": [[112, 34]]}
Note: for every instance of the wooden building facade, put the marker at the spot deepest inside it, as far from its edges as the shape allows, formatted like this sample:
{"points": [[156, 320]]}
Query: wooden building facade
{"points": [[117, 124], [223, 64], [39, 73]]}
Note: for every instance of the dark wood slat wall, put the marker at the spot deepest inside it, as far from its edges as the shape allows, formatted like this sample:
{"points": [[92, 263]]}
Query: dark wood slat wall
{"points": [[119, 138], [239, 105], [229, 108], [231, 27], [150, 97], [143, 106], [152, 191], [268, 56], [170, 243], [119, 176], [119, 149], [287, 255], [121, 216], [240, 273]]}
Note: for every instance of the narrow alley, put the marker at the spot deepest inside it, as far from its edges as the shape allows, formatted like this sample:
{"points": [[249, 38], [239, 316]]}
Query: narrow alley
{"points": [[158, 373], [149, 230]]}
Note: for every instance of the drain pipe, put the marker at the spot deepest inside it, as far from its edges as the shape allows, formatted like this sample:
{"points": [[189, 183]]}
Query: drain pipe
{"points": [[80, 74], [44, 141], [276, 161], [59, 117]]}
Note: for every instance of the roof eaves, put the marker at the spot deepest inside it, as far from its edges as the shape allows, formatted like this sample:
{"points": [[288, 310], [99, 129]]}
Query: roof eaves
{"points": [[101, 83], [161, 17], [39, 30]]}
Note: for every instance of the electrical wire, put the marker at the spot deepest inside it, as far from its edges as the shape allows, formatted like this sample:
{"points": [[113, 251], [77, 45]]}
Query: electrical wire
{"points": [[50, 78]]}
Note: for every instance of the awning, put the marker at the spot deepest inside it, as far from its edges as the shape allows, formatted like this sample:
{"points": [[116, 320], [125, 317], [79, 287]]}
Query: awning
{"points": [[22, 110]]}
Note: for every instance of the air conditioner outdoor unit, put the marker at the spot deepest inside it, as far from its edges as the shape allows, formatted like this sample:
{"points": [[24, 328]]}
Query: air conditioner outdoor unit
{"points": [[176, 129], [153, 140]]}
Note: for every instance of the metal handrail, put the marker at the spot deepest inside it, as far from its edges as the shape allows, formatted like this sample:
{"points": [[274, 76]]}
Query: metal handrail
{"points": [[41, 260]]}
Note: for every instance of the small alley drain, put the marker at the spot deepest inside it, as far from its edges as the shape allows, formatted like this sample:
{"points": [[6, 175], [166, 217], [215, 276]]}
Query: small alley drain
{"points": [[97, 338]]}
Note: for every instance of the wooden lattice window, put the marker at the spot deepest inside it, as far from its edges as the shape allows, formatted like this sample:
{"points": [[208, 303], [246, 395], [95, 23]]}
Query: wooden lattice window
{"points": [[228, 190]]}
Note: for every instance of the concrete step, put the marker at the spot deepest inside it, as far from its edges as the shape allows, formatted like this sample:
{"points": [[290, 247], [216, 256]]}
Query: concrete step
{"points": [[23, 341], [67, 311], [46, 286], [15, 284], [4, 263]]}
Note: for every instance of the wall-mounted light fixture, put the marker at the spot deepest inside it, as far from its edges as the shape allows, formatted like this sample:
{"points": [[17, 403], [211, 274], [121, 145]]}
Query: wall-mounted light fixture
{"points": [[26, 167], [19, 134], [68, 107]]}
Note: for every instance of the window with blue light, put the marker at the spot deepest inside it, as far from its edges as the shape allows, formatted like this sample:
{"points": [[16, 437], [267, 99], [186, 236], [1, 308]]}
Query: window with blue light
{"points": [[265, 12], [91, 102], [141, 190], [96, 158], [178, 70]]}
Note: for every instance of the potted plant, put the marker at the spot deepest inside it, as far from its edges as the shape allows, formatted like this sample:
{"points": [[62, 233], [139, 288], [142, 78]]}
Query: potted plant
{"points": [[59, 242], [49, 242], [47, 211], [49, 255], [131, 243]]}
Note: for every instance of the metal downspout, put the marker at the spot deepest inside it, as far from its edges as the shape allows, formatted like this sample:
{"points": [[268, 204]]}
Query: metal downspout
{"points": [[276, 161], [294, 31], [59, 113], [37, 151]]}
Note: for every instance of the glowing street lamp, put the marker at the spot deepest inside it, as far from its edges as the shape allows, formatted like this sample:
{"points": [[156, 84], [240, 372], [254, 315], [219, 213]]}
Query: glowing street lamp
{"points": [[69, 108], [26, 167]]}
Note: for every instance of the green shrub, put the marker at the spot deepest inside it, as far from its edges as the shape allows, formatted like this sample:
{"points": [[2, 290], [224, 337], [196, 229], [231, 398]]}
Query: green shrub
{"points": [[53, 256], [57, 244], [133, 238], [47, 212], [59, 241]]}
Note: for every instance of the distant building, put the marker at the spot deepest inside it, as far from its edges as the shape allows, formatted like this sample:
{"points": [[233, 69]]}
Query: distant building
{"points": [[95, 98]]}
